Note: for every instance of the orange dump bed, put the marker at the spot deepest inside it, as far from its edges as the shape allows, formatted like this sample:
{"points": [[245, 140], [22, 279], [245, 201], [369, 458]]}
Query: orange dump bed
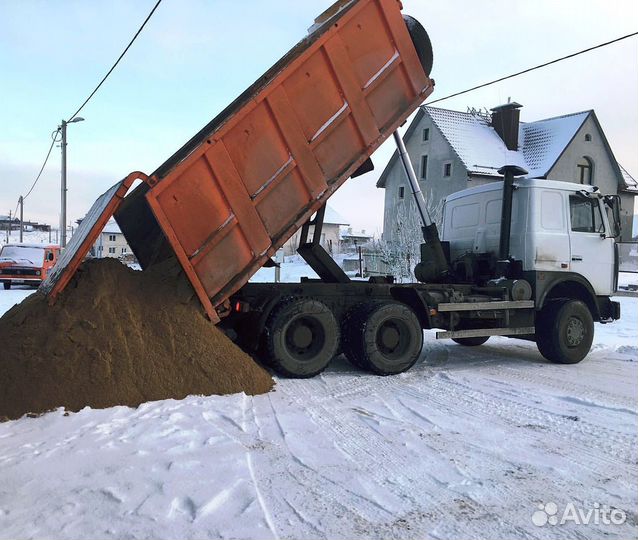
{"points": [[227, 200]]}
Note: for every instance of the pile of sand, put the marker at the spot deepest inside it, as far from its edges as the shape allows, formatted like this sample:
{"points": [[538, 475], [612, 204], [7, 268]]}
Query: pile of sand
{"points": [[117, 337]]}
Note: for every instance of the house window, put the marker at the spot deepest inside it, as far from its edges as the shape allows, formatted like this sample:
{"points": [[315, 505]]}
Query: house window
{"points": [[111, 250], [124, 250], [585, 215], [401, 192], [111, 238], [447, 169], [424, 167], [587, 137], [585, 171], [426, 134]]}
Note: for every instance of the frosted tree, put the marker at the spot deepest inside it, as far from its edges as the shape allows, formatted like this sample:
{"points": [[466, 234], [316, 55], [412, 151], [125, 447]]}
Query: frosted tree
{"points": [[402, 250]]}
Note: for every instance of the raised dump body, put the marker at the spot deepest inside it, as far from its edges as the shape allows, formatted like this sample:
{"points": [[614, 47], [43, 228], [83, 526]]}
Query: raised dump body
{"points": [[234, 193]]}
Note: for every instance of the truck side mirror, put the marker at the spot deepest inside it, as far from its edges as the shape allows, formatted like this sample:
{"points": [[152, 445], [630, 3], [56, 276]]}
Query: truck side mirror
{"points": [[50, 256], [612, 203]]}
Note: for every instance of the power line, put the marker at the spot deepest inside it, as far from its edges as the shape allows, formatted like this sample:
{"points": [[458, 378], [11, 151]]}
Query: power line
{"points": [[54, 138], [533, 68], [117, 61], [46, 159]]}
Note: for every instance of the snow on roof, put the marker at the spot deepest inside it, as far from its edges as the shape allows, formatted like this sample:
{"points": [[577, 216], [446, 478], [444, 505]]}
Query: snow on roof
{"points": [[478, 146], [482, 150], [112, 228], [630, 182], [333, 217], [542, 142]]}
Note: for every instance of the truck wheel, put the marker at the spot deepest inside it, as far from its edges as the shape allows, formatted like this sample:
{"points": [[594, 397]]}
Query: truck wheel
{"points": [[384, 338], [565, 331], [301, 337], [6, 285], [471, 341]]}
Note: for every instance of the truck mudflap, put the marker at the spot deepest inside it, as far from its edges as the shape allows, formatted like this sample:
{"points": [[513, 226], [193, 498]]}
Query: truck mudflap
{"points": [[86, 235]]}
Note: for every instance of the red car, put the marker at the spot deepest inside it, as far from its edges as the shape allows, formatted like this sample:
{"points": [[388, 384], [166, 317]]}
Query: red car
{"points": [[26, 264]]}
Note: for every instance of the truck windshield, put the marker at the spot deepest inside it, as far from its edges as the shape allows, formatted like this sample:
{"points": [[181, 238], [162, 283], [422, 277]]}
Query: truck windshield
{"points": [[34, 255]]}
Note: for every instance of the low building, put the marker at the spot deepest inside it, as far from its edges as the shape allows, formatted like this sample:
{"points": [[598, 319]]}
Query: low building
{"points": [[330, 234], [351, 239], [111, 243]]}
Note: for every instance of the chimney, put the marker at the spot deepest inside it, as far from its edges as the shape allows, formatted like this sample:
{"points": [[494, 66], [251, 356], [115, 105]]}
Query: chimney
{"points": [[505, 120]]}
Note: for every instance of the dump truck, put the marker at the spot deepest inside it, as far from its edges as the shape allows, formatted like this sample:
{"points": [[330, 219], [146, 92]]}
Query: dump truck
{"points": [[264, 168]]}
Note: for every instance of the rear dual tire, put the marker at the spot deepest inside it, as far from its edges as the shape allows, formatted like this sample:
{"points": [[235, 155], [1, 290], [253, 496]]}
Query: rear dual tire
{"points": [[301, 337], [384, 338]]}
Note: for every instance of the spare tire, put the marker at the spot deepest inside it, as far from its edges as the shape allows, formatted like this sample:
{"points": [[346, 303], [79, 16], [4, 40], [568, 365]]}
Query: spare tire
{"points": [[421, 42]]}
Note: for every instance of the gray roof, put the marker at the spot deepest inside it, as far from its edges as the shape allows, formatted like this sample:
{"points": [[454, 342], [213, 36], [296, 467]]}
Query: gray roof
{"points": [[631, 184], [483, 152]]}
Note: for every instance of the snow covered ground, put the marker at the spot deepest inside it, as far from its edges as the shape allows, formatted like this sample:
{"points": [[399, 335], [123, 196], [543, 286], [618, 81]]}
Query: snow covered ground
{"points": [[467, 444], [30, 237]]}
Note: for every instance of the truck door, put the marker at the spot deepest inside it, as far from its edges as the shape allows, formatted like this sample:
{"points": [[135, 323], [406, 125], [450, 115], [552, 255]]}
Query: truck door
{"points": [[591, 244]]}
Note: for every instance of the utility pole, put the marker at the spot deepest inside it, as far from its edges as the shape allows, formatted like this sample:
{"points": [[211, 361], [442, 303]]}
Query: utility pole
{"points": [[9, 228], [21, 204], [63, 189]]}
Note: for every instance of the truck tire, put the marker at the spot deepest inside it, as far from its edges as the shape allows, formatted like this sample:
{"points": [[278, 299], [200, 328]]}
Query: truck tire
{"points": [[6, 285], [384, 338], [471, 341], [564, 331], [301, 337]]}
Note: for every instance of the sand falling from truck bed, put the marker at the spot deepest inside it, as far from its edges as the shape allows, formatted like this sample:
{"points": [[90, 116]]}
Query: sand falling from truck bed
{"points": [[117, 337]]}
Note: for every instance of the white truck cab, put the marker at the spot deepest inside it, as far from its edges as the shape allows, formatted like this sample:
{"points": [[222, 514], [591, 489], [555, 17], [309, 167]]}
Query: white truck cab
{"points": [[556, 227], [561, 247]]}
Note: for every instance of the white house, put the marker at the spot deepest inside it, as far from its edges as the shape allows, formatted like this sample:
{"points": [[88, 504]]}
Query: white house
{"points": [[111, 243], [452, 150], [330, 233]]}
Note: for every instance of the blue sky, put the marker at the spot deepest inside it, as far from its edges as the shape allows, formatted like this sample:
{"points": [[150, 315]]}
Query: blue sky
{"points": [[196, 56]]}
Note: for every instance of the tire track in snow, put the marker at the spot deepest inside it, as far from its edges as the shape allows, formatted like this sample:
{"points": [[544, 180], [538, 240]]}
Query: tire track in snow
{"points": [[251, 469], [539, 379], [581, 431], [405, 478], [566, 430], [527, 483], [590, 461], [309, 491]]}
